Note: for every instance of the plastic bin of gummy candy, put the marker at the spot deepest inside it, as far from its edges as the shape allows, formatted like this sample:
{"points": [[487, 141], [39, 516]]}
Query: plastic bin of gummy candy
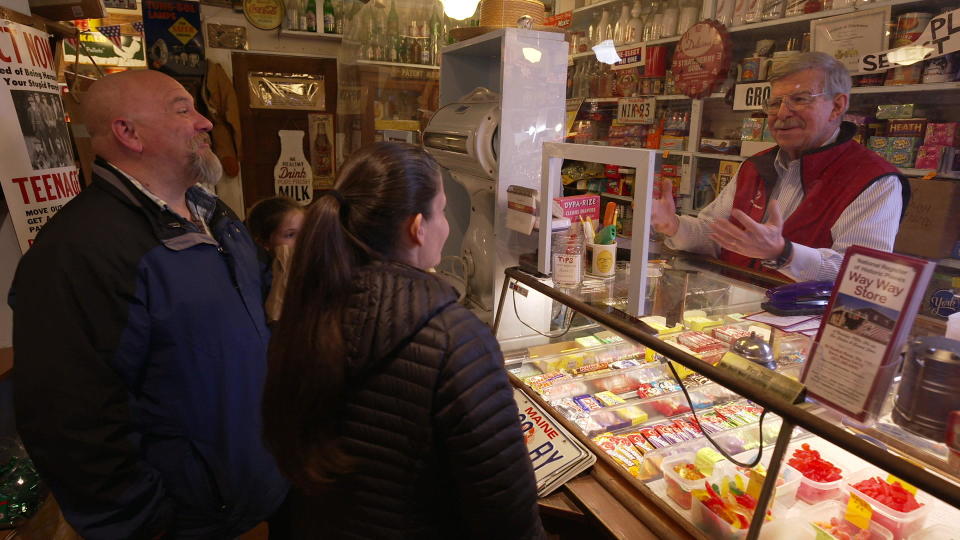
{"points": [[828, 516], [723, 510], [894, 507], [822, 480]]}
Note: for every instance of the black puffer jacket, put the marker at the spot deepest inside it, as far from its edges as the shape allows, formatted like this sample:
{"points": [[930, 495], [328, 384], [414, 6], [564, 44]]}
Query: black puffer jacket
{"points": [[429, 418]]}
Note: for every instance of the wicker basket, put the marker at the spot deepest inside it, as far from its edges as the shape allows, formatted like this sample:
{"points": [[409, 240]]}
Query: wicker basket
{"points": [[504, 13]]}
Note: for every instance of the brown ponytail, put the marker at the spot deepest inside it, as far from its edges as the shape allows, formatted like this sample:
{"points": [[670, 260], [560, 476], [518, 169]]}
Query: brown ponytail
{"points": [[378, 189]]}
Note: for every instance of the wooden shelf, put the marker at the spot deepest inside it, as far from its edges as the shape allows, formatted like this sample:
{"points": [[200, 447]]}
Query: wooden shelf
{"points": [[710, 155], [923, 172]]}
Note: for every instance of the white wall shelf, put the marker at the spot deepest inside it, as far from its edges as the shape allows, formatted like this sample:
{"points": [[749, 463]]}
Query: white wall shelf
{"points": [[309, 35], [930, 87], [395, 64]]}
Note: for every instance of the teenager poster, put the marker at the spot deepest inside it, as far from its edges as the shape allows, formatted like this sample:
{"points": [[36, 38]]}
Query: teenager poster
{"points": [[38, 171]]}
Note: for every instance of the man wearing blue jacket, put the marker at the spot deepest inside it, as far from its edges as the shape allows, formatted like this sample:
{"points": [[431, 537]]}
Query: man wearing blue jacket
{"points": [[140, 337]]}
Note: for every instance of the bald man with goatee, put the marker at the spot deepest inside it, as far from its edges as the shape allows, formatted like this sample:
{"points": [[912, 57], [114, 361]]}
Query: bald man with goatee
{"points": [[140, 335]]}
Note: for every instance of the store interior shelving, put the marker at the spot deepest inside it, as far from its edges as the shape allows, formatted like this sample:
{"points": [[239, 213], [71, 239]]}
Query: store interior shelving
{"points": [[713, 117]]}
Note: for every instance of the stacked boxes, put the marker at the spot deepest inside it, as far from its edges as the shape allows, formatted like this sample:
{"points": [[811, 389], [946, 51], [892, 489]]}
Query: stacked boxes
{"points": [[938, 151]]}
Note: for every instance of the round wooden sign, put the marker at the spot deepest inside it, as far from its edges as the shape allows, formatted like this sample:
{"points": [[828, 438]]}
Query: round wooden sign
{"points": [[702, 58], [263, 14]]}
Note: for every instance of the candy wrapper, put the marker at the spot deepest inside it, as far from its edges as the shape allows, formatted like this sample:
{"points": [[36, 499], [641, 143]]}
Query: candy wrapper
{"points": [[729, 334], [588, 403], [609, 399], [654, 438], [634, 414], [640, 442], [597, 367], [609, 420]]}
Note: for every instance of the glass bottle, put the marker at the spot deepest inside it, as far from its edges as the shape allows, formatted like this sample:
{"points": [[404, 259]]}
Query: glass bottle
{"points": [[329, 20], [340, 16], [393, 22], [689, 15], [293, 20], [311, 16], [416, 50], [671, 16], [604, 27], [620, 29], [635, 26]]}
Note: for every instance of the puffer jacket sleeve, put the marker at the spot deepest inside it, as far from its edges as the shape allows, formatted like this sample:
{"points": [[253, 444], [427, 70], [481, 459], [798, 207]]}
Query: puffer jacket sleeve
{"points": [[478, 430]]}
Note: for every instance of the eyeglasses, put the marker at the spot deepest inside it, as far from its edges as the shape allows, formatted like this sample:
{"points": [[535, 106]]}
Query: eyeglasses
{"points": [[795, 102]]}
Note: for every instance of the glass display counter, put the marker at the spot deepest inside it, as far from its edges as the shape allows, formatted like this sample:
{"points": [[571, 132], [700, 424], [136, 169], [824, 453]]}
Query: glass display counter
{"points": [[700, 447]]}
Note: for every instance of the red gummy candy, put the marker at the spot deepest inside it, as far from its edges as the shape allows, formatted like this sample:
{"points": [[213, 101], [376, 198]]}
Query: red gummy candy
{"points": [[811, 465]]}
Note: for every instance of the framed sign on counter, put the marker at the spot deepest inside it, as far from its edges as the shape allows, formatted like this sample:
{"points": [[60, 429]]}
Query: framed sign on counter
{"points": [[847, 37]]}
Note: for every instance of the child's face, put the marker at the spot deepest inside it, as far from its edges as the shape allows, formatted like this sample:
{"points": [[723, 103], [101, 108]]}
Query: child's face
{"points": [[286, 233]]}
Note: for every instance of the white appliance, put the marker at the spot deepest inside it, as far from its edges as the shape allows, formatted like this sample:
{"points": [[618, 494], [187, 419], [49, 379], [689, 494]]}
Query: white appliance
{"points": [[462, 137]]}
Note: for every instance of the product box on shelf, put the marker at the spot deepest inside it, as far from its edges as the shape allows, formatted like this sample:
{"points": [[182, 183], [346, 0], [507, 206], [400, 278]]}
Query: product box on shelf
{"points": [[901, 110], [672, 142], [903, 143], [878, 144], [901, 158], [907, 127], [931, 223], [726, 173], [930, 156], [946, 134], [720, 146], [752, 129]]}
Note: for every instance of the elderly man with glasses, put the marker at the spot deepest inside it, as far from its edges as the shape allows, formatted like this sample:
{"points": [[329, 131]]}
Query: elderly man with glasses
{"points": [[796, 207]]}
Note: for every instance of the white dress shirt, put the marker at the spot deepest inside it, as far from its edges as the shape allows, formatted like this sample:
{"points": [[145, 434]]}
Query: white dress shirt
{"points": [[871, 220]]}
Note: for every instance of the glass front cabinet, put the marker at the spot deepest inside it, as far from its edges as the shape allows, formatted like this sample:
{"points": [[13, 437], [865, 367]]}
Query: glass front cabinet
{"points": [[692, 446]]}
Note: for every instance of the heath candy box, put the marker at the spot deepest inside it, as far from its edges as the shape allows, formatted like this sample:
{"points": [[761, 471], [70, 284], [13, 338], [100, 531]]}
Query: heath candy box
{"points": [[907, 127]]}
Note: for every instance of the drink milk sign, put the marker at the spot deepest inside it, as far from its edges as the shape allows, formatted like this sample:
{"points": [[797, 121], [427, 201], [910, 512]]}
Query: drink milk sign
{"points": [[292, 175]]}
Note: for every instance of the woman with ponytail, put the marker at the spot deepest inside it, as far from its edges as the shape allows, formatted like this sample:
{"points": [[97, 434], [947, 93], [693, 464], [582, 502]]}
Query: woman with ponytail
{"points": [[386, 403]]}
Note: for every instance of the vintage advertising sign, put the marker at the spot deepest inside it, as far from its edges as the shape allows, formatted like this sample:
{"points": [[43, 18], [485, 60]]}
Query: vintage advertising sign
{"points": [[130, 53], [322, 153], [940, 37], [702, 58], [37, 171], [173, 37], [631, 56]]}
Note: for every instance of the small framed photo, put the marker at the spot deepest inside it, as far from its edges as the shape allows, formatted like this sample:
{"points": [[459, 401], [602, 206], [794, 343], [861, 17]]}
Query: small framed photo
{"points": [[848, 37]]}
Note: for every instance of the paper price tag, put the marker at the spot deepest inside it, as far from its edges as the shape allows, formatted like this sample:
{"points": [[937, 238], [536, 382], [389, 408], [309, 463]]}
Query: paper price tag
{"points": [[858, 512], [755, 484], [891, 479]]}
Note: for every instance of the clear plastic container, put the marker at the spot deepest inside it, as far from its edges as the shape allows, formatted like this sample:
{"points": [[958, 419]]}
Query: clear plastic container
{"points": [[618, 381], [800, 527], [713, 526], [901, 524], [786, 494], [937, 532], [813, 492], [679, 488]]}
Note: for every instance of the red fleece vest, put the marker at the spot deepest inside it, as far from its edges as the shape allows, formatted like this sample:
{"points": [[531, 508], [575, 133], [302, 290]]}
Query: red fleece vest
{"points": [[832, 177]]}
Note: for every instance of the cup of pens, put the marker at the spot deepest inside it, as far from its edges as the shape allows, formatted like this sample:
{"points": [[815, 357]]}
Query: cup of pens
{"points": [[601, 247]]}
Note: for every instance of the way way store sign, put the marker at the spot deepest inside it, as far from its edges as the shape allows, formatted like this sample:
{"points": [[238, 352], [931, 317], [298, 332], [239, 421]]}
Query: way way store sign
{"points": [[638, 110], [940, 37], [37, 170]]}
